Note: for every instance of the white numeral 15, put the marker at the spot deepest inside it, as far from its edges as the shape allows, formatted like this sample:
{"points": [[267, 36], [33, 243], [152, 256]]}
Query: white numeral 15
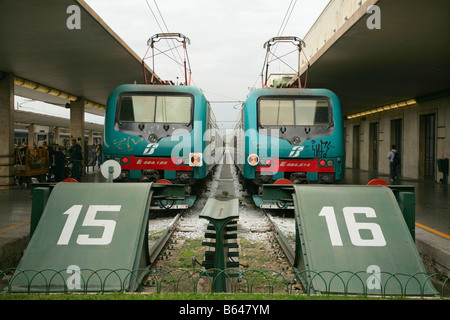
{"points": [[89, 221]]}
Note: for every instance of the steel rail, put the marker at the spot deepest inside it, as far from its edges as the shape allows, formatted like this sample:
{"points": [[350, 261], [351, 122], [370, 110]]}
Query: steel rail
{"points": [[282, 240], [163, 239]]}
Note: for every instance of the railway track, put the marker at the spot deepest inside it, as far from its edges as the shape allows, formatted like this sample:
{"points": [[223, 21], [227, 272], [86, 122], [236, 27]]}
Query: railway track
{"points": [[265, 237], [157, 244], [286, 242], [266, 240]]}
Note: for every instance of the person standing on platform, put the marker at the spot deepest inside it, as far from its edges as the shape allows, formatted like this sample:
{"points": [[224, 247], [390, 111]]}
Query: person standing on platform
{"points": [[76, 156], [394, 161], [60, 161], [98, 153]]}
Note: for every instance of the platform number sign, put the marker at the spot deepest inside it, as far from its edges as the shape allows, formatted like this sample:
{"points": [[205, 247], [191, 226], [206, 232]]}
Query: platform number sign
{"points": [[90, 220], [377, 239]]}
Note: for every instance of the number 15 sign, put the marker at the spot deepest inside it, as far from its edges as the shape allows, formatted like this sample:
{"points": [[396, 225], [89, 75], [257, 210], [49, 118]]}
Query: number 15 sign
{"points": [[99, 226]]}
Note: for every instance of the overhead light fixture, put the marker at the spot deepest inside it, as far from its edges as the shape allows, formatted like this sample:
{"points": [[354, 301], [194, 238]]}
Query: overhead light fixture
{"points": [[95, 105], [44, 89], [384, 108], [54, 92]]}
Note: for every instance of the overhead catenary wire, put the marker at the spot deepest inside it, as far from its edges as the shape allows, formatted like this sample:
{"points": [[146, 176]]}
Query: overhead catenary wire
{"points": [[280, 32], [154, 16], [167, 29], [160, 28], [285, 21], [172, 47]]}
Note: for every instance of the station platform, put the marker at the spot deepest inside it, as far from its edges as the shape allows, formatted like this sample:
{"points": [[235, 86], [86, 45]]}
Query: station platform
{"points": [[432, 232]]}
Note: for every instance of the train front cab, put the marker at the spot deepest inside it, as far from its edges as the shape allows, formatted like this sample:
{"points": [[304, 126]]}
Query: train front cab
{"points": [[149, 149], [293, 134]]}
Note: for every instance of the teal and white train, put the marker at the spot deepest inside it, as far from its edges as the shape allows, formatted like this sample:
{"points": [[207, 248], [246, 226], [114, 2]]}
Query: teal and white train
{"points": [[161, 133], [289, 135]]}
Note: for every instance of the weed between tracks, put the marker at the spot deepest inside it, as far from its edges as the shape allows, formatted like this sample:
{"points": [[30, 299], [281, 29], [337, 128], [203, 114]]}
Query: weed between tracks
{"points": [[262, 268]]}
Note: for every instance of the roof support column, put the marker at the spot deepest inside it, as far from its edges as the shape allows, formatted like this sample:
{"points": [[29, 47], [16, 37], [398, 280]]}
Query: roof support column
{"points": [[91, 138], [57, 135], [77, 120], [6, 130], [31, 130]]}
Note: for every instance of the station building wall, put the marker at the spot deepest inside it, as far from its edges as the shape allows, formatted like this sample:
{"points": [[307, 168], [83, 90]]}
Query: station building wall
{"points": [[421, 130]]}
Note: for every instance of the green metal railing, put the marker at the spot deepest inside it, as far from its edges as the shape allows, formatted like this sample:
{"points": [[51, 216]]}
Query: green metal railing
{"points": [[249, 281]]}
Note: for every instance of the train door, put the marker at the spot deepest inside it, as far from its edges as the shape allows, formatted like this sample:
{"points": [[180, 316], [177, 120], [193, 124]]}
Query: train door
{"points": [[397, 139], [373, 148], [356, 146], [427, 144]]}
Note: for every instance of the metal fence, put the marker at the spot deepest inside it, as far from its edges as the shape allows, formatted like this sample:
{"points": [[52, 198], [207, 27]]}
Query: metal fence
{"points": [[249, 281]]}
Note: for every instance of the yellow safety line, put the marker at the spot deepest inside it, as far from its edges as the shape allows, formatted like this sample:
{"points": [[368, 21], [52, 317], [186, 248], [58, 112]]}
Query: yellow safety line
{"points": [[432, 230], [15, 226]]}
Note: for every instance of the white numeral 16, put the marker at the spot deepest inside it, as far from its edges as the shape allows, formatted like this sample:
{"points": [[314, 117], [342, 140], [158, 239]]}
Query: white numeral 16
{"points": [[89, 221], [353, 226]]}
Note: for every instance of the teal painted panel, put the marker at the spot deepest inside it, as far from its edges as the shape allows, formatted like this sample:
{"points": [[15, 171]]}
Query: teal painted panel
{"points": [[355, 238], [96, 229], [220, 209]]}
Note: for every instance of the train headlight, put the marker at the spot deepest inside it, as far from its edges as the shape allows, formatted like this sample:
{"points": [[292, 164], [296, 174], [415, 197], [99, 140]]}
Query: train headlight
{"points": [[253, 159], [326, 163], [296, 141], [153, 138], [265, 162]]}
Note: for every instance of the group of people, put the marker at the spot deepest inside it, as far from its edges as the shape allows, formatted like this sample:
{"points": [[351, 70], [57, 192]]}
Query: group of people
{"points": [[75, 158]]}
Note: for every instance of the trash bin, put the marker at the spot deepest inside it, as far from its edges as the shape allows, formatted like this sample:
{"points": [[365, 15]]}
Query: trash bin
{"points": [[443, 167]]}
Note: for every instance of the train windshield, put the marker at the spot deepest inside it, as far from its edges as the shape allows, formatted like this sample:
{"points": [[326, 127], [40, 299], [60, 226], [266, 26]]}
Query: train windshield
{"points": [[294, 112], [155, 108]]}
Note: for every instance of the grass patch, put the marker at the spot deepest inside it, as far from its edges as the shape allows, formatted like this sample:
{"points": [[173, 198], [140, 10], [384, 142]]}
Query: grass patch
{"points": [[180, 296], [191, 248]]}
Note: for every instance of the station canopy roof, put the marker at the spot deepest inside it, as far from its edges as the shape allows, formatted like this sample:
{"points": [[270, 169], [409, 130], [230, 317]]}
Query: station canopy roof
{"points": [[408, 57], [37, 45]]}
